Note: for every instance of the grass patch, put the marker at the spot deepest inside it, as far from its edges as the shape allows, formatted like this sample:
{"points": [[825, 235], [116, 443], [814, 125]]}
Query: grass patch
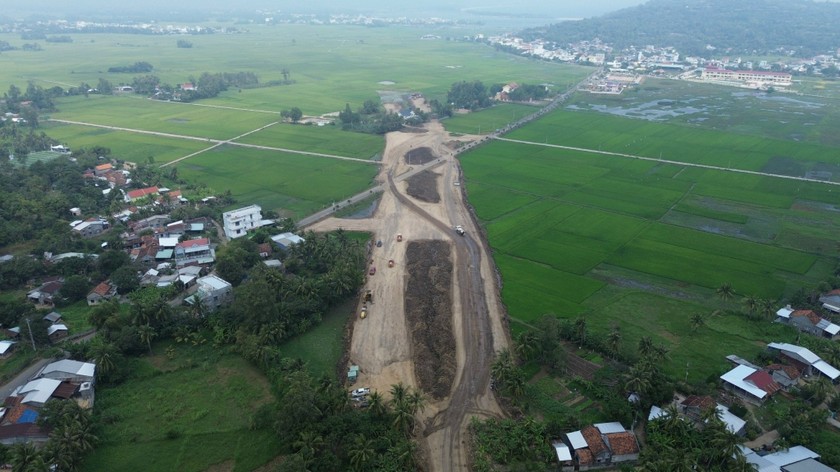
{"points": [[205, 421], [321, 347], [291, 184], [487, 120]]}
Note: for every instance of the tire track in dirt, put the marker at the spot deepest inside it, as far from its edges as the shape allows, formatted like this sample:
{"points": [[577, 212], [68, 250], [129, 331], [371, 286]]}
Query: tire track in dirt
{"points": [[473, 379]]}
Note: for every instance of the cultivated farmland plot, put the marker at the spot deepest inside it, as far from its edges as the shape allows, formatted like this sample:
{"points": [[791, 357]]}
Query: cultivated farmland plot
{"points": [[654, 239], [328, 67]]}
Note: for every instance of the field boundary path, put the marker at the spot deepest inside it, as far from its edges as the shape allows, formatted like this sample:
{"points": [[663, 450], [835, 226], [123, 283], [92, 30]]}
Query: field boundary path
{"points": [[217, 142], [666, 161]]}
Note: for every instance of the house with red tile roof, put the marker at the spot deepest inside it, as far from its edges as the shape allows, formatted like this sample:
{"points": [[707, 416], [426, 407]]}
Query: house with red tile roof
{"points": [[751, 384], [102, 169], [600, 445], [809, 322], [137, 194], [102, 292], [194, 252]]}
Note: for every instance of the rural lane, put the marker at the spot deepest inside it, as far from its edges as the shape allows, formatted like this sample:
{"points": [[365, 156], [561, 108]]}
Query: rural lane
{"points": [[216, 142], [666, 161]]}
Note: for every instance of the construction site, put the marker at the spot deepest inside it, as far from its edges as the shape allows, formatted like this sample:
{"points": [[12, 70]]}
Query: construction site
{"points": [[432, 315]]}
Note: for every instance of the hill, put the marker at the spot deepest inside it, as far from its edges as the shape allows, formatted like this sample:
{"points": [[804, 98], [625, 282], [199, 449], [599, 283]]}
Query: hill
{"points": [[704, 27]]}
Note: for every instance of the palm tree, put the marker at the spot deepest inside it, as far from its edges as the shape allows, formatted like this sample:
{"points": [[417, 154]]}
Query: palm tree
{"points": [[697, 322], [376, 404], [638, 379], [104, 355], [398, 393], [308, 443], [580, 330], [614, 339], [146, 333], [645, 346], [767, 308], [26, 458], [416, 401], [725, 291], [751, 304], [526, 344], [361, 452]]}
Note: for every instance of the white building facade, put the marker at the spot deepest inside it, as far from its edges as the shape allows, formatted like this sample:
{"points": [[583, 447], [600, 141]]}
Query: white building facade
{"points": [[237, 223]]}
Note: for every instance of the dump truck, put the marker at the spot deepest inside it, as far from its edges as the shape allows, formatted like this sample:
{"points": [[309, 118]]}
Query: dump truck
{"points": [[368, 296]]}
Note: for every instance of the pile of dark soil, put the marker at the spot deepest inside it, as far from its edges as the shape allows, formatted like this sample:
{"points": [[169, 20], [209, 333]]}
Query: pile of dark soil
{"points": [[428, 310], [416, 157], [423, 187]]}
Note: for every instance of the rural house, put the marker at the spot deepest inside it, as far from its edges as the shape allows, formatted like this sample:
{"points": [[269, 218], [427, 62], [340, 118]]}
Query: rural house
{"points": [[602, 445], [194, 252], [809, 322], [752, 385], [47, 293], [137, 194], [831, 301], [102, 292], [238, 222], [6, 349], [794, 459], [57, 332], [213, 292], [90, 227], [804, 360], [286, 240]]}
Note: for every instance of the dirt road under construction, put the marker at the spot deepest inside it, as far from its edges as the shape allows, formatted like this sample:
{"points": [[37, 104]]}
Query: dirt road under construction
{"points": [[384, 344]]}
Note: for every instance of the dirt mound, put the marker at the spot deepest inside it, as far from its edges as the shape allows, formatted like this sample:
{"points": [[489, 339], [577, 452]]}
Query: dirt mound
{"points": [[428, 311], [419, 156], [423, 187]]}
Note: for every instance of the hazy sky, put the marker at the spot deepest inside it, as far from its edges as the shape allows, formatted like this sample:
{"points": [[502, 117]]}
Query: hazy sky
{"points": [[547, 9]]}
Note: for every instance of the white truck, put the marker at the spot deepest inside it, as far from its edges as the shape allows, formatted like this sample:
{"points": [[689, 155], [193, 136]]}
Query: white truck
{"points": [[460, 230]]}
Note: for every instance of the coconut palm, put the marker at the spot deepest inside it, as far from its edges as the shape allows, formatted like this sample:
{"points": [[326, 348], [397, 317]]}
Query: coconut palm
{"points": [[146, 333], [26, 458], [526, 344], [361, 452], [751, 303], [104, 355], [580, 330], [645, 346], [376, 404], [725, 291], [614, 339], [767, 308], [638, 379], [697, 322]]}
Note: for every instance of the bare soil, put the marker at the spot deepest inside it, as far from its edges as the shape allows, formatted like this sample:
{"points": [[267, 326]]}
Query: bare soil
{"points": [[420, 156], [424, 187], [381, 344], [428, 310]]}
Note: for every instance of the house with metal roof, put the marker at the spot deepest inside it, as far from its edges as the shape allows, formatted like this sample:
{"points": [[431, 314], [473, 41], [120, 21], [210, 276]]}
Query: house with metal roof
{"points": [[600, 445], [750, 384], [70, 370], [804, 360], [194, 252], [807, 321], [213, 292]]}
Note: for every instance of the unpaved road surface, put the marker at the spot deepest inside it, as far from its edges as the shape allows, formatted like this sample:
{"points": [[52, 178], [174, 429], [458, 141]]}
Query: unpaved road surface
{"points": [[381, 344]]}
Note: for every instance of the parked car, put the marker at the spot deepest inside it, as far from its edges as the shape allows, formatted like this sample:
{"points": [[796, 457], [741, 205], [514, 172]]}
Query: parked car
{"points": [[360, 392], [379, 243], [372, 270]]}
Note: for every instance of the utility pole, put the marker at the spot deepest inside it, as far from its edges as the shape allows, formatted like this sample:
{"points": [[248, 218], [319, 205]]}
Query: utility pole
{"points": [[30, 334]]}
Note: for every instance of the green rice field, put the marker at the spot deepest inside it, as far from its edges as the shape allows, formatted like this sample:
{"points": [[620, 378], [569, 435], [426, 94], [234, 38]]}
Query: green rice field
{"points": [[486, 121], [645, 244], [294, 185]]}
